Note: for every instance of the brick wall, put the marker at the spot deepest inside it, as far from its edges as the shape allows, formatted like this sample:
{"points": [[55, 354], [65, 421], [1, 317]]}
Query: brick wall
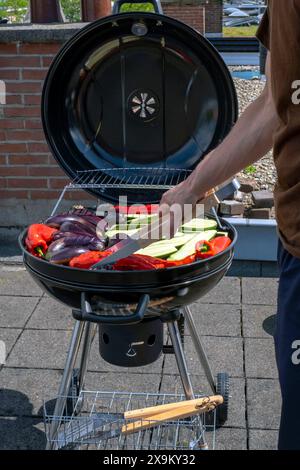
{"points": [[27, 169], [192, 15], [203, 15]]}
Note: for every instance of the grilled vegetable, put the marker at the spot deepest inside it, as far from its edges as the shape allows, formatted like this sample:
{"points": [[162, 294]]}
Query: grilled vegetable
{"points": [[38, 238], [190, 247], [206, 249], [139, 262], [199, 225], [67, 254], [57, 220], [87, 260], [91, 243], [158, 251], [77, 227]]}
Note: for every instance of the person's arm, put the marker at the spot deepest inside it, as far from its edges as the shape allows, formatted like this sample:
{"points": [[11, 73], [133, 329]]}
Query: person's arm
{"points": [[249, 140]]}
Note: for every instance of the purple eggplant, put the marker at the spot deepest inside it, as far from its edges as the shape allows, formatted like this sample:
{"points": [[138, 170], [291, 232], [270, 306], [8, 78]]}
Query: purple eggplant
{"points": [[77, 227], [57, 220], [70, 252], [86, 214]]}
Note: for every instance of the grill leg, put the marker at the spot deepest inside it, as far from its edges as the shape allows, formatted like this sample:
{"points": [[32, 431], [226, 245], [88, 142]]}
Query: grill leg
{"points": [[65, 383], [89, 335], [184, 374], [199, 348]]}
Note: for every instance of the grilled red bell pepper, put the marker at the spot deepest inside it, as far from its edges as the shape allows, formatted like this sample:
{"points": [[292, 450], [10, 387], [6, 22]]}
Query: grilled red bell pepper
{"points": [[87, 260], [205, 249], [139, 262], [39, 236], [181, 262]]}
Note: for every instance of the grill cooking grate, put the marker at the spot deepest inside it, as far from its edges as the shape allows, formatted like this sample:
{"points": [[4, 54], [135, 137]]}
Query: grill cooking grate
{"points": [[129, 178]]}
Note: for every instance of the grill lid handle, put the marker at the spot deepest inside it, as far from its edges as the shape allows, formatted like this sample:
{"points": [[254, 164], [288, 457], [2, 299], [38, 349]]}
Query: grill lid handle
{"points": [[87, 314], [118, 5]]}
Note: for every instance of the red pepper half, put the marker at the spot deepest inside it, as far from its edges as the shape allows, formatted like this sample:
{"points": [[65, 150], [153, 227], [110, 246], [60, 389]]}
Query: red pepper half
{"points": [[182, 262], [87, 260], [39, 236], [220, 244], [205, 249], [139, 262]]}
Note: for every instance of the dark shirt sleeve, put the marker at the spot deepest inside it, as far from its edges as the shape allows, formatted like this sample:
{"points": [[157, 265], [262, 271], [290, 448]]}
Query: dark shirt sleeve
{"points": [[263, 32]]}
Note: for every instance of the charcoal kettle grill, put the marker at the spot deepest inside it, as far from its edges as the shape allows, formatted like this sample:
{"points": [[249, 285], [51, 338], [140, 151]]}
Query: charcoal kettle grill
{"points": [[130, 105]]}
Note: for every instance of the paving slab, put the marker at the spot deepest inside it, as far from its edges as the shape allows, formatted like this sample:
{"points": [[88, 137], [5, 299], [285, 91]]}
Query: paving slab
{"points": [[15, 311], [15, 281], [236, 418], [224, 355], [263, 440], [108, 381], [21, 434], [51, 315], [259, 291], [231, 439], [23, 391], [45, 349], [216, 319], [258, 321], [9, 336], [226, 292], [263, 404], [260, 358]]}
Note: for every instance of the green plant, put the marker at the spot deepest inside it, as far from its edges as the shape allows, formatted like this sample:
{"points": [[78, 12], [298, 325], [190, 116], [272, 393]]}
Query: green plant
{"points": [[137, 7], [14, 10], [250, 170], [72, 10]]}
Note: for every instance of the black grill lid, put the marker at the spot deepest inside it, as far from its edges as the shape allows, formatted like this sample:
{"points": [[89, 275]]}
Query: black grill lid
{"points": [[136, 90]]}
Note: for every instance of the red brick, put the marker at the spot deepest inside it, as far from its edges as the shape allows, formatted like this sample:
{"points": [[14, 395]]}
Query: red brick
{"points": [[58, 183], [14, 171], [23, 87], [32, 99], [47, 48], [38, 194], [34, 74], [38, 148], [46, 171], [27, 183], [46, 61], [2, 136], [9, 74], [11, 124], [25, 159], [2, 181], [9, 194], [10, 48], [19, 61], [13, 99], [25, 135], [33, 124], [22, 112], [2, 160], [12, 148]]}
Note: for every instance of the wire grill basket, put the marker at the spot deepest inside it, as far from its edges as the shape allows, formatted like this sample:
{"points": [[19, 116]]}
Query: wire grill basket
{"points": [[98, 417]]}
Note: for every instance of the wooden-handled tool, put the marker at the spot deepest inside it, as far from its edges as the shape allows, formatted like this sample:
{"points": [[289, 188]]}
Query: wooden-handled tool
{"points": [[156, 415]]}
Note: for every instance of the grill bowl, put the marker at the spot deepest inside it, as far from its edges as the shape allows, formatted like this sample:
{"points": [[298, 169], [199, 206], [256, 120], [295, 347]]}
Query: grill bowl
{"points": [[168, 288]]}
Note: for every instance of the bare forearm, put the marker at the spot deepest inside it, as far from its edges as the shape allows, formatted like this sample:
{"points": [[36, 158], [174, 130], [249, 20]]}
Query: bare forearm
{"points": [[250, 139]]}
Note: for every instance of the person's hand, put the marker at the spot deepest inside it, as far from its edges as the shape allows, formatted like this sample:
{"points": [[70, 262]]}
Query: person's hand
{"points": [[179, 204]]}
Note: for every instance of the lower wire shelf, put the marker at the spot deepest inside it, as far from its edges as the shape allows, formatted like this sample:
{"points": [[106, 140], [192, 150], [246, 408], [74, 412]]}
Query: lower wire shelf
{"points": [[98, 418]]}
